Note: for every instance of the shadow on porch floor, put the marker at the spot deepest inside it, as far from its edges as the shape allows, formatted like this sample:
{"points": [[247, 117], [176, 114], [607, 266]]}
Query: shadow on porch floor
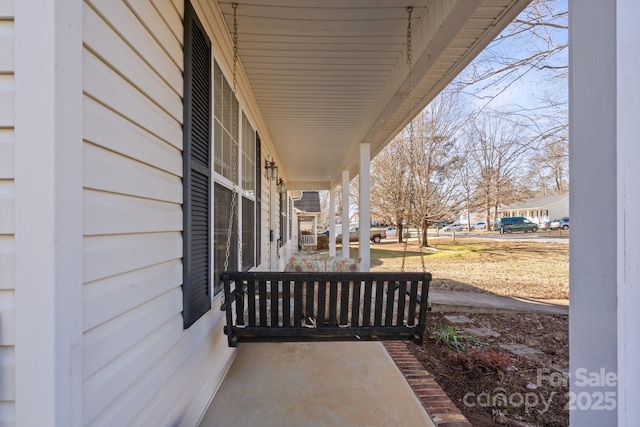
{"points": [[314, 384]]}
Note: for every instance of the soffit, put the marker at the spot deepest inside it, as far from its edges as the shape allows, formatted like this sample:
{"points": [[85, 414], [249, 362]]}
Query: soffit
{"points": [[328, 75]]}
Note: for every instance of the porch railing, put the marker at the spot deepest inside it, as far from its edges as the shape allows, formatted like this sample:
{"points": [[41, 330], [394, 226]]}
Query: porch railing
{"points": [[314, 306], [308, 239]]}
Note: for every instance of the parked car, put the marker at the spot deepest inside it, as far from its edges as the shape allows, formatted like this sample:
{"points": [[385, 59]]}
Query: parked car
{"points": [[455, 227], [479, 226], [439, 225], [391, 231], [354, 235], [562, 223], [515, 223], [545, 225]]}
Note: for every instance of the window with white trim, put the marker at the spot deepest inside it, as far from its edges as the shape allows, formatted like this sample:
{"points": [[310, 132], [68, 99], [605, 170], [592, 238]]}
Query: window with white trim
{"points": [[233, 175]]}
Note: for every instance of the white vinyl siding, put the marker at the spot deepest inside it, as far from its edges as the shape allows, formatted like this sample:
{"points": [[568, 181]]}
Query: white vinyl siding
{"points": [[270, 221], [139, 365], [7, 196]]}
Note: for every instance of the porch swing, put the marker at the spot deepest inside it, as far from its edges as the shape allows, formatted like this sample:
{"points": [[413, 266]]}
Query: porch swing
{"points": [[321, 305]]}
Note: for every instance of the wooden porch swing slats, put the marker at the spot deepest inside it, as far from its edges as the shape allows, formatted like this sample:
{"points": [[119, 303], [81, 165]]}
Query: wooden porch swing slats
{"points": [[329, 306]]}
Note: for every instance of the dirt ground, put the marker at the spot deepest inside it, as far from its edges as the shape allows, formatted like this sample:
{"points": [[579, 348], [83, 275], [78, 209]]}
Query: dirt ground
{"points": [[494, 386], [483, 376]]}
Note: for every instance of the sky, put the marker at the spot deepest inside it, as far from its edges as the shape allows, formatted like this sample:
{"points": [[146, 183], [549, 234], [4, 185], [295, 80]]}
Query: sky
{"points": [[528, 85]]}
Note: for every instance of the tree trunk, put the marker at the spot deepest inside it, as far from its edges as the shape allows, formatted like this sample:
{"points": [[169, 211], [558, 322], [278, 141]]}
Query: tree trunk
{"points": [[424, 242]]}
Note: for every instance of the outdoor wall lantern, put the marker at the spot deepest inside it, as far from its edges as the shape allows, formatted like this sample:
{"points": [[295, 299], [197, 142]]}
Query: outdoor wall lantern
{"points": [[271, 168], [282, 188]]}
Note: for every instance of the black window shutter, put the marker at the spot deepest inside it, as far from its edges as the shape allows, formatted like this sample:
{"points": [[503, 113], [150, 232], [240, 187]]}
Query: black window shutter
{"points": [[196, 288], [281, 214], [258, 200]]}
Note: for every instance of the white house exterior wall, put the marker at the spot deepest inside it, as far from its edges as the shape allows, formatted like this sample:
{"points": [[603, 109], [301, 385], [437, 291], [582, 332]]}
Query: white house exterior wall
{"points": [[139, 365], [7, 277]]}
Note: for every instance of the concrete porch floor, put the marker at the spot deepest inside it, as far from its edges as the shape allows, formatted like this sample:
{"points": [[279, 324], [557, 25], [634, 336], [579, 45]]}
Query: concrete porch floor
{"points": [[314, 384]]}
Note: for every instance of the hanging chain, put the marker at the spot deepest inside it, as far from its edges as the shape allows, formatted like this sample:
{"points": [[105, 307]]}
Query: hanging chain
{"points": [[235, 46], [234, 143], [410, 63], [412, 186], [409, 46]]}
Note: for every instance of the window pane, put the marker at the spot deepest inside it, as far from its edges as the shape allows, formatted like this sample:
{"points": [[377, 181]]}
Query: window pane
{"points": [[217, 135], [221, 222], [226, 106], [226, 127], [217, 88], [227, 147], [248, 155], [248, 234]]}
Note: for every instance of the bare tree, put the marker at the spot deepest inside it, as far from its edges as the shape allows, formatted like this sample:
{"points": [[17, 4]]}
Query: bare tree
{"points": [[323, 219], [354, 197], [533, 49], [536, 42], [468, 184], [390, 185], [499, 149], [433, 162], [425, 176], [550, 164]]}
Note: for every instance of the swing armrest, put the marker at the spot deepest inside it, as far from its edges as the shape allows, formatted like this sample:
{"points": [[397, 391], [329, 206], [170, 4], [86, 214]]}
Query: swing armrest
{"points": [[227, 301]]}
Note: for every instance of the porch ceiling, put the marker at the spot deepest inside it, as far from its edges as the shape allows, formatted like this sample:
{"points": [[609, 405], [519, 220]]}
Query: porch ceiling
{"points": [[330, 74]]}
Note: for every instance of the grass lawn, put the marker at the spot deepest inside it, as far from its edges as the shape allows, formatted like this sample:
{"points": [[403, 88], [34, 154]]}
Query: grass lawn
{"points": [[527, 269]]}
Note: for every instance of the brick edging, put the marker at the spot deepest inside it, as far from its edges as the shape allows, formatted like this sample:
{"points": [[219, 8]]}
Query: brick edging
{"points": [[435, 401]]}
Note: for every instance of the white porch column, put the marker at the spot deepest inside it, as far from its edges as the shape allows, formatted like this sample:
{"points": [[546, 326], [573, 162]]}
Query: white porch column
{"points": [[48, 212], [364, 212], [604, 275], [332, 223], [628, 129], [345, 214], [315, 230]]}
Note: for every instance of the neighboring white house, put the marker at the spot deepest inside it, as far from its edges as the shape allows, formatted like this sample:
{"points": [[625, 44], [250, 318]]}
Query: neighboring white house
{"points": [[118, 125], [466, 216], [307, 209], [540, 209]]}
